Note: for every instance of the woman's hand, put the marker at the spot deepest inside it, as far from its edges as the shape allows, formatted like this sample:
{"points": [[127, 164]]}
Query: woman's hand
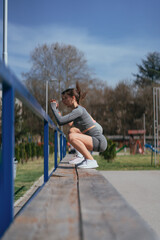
{"points": [[70, 124], [54, 101]]}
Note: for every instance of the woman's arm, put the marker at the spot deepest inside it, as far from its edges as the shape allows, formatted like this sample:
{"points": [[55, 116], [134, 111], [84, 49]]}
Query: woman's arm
{"points": [[61, 120], [70, 123]]}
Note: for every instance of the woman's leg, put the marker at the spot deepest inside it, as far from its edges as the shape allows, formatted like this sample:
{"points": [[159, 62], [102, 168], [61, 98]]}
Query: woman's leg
{"points": [[82, 143], [74, 130]]}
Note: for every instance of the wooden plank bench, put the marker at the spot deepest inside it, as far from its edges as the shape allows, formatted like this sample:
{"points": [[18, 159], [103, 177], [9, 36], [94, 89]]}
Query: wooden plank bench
{"points": [[78, 204]]}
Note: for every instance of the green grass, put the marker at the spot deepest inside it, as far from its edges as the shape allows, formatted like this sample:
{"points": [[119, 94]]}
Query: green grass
{"points": [[127, 162], [28, 173]]}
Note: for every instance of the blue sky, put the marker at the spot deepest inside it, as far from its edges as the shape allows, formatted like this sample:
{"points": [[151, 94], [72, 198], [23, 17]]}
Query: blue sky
{"points": [[114, 35]]}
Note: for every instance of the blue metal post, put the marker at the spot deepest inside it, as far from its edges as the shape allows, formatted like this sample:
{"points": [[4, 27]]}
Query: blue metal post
{"points": [[61, 147], [46, 154], [55, 148], [6, 165], [64, 146]]}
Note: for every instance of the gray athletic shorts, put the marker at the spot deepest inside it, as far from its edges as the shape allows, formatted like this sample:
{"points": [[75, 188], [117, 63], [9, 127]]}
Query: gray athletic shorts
{"points": [[99, 143], [99, 140]]}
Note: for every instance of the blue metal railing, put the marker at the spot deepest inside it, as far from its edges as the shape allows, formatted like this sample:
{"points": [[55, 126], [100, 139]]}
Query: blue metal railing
{"points": [[11, 88]]}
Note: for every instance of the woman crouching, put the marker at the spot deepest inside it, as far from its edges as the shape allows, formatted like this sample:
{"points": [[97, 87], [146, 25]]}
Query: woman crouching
{"points": [[84, 136]]}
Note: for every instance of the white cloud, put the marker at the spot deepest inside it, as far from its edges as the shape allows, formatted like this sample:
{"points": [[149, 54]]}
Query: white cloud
{"points": [[111, 62]]}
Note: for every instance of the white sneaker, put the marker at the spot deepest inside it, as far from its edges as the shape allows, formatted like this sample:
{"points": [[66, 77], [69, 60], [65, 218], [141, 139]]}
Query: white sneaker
{"points": [[76, 160], [88, 164]]}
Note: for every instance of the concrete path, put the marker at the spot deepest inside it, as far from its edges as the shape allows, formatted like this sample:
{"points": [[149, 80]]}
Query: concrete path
{"points": [[142, 191]]}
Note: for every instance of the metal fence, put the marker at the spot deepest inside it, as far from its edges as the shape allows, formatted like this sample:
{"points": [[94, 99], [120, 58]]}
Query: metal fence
{"points": [[156, 114], [11, 88]]}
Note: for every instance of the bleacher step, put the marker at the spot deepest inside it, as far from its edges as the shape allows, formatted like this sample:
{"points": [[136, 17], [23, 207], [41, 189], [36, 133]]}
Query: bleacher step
{"points": [[79, 204]]}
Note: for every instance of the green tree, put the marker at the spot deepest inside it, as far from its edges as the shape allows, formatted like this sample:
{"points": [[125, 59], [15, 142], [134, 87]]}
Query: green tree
{"points": [[149, 70], [110, 153]]}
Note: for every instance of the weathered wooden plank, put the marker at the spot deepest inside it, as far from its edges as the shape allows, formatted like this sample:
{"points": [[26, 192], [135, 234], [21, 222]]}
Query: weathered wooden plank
{"points": [[87, 208], [53, 213], [105, 214]]}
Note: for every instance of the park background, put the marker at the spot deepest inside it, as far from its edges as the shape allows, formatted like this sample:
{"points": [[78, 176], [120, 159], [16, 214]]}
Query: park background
{"points": [[111, 48]]}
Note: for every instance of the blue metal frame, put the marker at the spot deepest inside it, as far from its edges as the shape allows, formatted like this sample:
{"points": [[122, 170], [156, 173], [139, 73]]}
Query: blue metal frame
{"points": [[12, 87], [64, 146], [55, 148], [61, 147], [6, 167], [46, 148]]}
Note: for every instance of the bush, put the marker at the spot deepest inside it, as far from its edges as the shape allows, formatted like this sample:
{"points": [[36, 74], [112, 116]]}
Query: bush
{"points": [[22, 154], [110, 152], [51, 149], [39, 149], [33, 152], [42, 150], [28, 150], [17, 152]]}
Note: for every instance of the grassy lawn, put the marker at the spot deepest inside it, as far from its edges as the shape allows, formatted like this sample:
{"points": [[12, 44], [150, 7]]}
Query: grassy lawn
{"points": [[127, 162], [28, 173]]}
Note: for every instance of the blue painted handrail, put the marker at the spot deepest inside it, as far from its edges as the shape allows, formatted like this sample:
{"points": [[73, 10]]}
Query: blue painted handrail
{"points": [[11, 88]]}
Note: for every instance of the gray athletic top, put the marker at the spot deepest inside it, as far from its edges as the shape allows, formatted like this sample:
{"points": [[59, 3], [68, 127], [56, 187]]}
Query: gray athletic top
{"points": [[80, 117]]}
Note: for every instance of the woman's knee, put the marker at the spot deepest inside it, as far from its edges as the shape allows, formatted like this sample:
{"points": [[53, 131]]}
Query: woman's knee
{"points": [[74, 137], [74, 130], [70, 131], [71, 137]]}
